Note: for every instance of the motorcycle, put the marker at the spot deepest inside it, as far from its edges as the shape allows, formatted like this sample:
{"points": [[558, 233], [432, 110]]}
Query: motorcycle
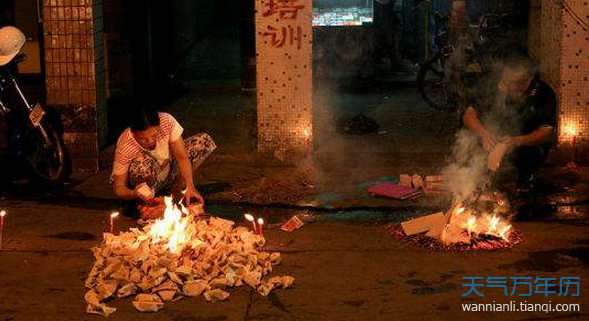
{"points": [[31, 131]]}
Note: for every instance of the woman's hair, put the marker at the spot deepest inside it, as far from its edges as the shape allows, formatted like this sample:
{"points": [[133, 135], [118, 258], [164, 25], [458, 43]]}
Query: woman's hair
{"points": [[144, 118]]}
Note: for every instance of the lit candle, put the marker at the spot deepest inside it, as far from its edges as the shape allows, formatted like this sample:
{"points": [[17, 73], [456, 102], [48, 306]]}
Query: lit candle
{"points": [[112, 219], [573, 134], [260, 223], [250, 218], [571, 131], [2, 214], [306, 137], [306, 133]]}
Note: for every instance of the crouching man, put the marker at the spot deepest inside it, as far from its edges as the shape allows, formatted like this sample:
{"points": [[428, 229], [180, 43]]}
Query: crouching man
{"points": [[519, 110], [152, 151]]}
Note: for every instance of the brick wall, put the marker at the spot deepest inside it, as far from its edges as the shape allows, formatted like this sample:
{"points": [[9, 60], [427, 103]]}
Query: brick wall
{"points": [[74, 61]]}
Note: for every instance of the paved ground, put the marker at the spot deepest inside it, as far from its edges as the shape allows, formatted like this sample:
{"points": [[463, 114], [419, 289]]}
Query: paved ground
{"points": [[345, 270], [347, 266]]}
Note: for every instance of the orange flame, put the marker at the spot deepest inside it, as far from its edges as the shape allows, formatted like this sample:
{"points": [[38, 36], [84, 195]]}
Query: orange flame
{"points": [[173, 229], [471, 224], [465, 219]]}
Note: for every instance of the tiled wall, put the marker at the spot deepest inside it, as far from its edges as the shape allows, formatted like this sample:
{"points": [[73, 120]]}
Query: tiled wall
{"points": [[284, 76], [561, 43], [74, 62], [574, 70]]}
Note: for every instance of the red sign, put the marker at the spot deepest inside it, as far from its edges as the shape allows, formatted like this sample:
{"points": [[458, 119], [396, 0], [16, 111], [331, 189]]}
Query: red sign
{"points": [[286, 9], [284, 35]]}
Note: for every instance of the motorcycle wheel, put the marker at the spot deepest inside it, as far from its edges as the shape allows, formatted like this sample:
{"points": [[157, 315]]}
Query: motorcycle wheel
{"points": [[45, 154], [430, 83]]}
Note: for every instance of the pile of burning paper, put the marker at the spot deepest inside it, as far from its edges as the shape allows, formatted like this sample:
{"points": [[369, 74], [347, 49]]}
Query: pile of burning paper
{"points": [[479, 224], [179, 256]]}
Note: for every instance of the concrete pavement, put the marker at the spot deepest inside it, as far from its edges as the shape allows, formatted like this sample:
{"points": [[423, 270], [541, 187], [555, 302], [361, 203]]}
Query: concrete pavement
{"points": [[345, 270]]}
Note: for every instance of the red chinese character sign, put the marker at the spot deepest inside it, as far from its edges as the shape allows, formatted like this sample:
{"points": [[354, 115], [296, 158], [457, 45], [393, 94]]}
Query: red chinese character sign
{"points": [[284, 76]]}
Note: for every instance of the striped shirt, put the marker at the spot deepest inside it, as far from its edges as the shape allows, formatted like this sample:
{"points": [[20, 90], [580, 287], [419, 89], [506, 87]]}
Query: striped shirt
{"points": [[128, 148]]}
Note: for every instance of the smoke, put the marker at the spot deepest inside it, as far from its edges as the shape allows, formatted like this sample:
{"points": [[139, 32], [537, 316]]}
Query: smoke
{"points": [[467, 170]]}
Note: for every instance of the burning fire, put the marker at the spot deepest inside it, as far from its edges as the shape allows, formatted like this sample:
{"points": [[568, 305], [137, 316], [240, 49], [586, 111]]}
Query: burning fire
{"points": [[465, 223], [174, 228]]}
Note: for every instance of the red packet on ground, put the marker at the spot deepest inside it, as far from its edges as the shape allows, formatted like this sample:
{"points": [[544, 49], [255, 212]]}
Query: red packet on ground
{"points": [[392, 190], [292, 224]]}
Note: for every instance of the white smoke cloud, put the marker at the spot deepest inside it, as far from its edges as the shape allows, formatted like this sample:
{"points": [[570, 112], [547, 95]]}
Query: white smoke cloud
{"points": [[467, 170]]}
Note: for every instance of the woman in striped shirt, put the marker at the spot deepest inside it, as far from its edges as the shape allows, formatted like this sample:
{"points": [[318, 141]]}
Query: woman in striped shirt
{"points": [[152, 151]]}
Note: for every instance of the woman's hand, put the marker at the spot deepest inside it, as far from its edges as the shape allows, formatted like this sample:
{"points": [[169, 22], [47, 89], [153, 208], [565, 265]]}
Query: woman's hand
{"points": [[192, 194], [144, 192]]}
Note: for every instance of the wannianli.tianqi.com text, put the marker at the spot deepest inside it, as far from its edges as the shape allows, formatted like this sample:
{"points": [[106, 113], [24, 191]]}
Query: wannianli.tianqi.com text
{"points": [[512, 306]]}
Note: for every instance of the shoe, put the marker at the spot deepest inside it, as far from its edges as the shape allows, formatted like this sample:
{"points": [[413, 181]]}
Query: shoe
{"points": [[526, 183]]}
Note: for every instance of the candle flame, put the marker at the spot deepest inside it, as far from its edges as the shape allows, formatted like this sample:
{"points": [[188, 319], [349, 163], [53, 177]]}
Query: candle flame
{"points": [[306, 133], [261, 221], [571, 130], [2, 213], [249, 217], [114, 214]]}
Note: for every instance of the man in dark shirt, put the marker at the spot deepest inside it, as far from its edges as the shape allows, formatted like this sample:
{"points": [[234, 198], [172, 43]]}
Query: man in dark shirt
{"points": [[518, 109]]}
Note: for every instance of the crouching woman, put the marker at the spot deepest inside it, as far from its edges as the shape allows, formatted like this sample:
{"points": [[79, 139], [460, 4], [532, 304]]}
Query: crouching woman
{"points": [[152, 152]]}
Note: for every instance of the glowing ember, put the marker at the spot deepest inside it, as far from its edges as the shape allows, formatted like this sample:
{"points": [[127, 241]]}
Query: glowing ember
{"points": [[482, 223], [481, 243], [487, 217]]}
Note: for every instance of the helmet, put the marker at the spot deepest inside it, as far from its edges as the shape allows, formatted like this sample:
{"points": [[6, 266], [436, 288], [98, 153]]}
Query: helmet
{"points": [[11, 41]]}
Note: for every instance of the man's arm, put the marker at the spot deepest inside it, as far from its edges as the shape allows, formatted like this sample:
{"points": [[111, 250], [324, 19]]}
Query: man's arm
{"points": [[181, 155], [471, 120], [539, 136]]}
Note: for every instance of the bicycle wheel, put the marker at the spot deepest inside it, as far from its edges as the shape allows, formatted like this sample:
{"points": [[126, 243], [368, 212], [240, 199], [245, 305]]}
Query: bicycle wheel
{"points": [[430, 83], [45, 153]]}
